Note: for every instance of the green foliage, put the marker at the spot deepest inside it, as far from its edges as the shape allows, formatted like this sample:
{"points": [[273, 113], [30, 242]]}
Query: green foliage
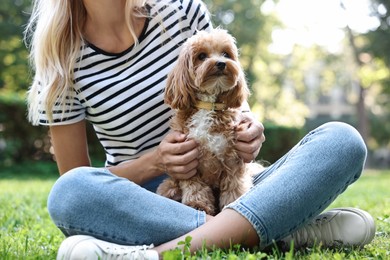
{"points": [[279, 140], [234, 253], [186, 244], [380, 38], [19, 140], [380, 123], [14, 69], [29, 170], [180, 253]]}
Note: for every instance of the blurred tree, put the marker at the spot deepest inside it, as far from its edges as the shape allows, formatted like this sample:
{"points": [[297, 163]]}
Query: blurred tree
{"points": [[363, 120], [251, 22], [375, 60], [14, 71], [379, 39]]}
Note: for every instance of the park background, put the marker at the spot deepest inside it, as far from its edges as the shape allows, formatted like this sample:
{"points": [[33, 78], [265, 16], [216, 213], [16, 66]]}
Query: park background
{"points": [[307, 62]]}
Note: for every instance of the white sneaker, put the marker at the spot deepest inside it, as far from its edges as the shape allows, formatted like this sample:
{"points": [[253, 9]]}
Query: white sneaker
{"points": [[337, 227], [87, 247]]}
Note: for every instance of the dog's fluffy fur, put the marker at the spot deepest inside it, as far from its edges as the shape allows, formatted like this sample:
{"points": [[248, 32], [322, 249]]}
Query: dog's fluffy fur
{"points": [[208, 70]]}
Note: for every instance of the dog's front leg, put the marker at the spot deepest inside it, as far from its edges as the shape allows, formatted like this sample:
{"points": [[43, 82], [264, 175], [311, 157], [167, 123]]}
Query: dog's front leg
{"points": [[198, 195], [170, 188], [233, 185]]}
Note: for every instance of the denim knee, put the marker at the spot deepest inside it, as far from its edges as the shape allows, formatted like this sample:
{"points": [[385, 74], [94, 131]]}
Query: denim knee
{"points": [[68, 189], [349, 138], [351, 149]]}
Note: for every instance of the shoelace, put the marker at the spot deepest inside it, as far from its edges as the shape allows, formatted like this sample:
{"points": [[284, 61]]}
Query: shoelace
{"points": [[319, 231]]}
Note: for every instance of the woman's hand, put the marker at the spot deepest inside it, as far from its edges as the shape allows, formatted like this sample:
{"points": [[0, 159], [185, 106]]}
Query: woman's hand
{"points": [[178, 156], [250, 137]]}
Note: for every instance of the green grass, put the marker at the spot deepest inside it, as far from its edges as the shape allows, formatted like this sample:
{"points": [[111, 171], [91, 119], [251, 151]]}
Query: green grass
{"points": [[26, 231]]}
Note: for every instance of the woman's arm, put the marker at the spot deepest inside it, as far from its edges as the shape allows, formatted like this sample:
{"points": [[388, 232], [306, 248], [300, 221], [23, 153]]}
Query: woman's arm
{"points": [[175, 155], [70, 146]]}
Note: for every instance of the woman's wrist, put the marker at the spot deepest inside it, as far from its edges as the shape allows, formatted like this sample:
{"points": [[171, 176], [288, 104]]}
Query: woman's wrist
{"points": [[156, 167], [140, 170]]}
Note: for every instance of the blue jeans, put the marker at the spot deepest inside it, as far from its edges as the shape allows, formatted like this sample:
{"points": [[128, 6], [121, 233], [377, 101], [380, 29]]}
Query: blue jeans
{"points": [[289, 193]]}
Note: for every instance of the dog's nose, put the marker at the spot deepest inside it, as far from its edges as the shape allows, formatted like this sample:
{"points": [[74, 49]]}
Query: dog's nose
{"points": [[220, 65]]}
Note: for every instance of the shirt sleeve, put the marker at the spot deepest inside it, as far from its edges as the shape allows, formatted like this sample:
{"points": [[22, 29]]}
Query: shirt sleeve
{"points": [[69, 111], [199, 15]]}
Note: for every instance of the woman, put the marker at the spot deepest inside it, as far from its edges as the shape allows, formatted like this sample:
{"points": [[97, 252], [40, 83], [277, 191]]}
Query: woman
{"points": [[106, 62]]}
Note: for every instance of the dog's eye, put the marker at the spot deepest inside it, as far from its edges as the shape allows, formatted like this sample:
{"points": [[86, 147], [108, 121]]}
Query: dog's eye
{"points": [[202, 56], [226, 55]]}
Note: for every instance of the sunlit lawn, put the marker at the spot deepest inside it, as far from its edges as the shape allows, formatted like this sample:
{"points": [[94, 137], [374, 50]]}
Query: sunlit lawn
{"points": [[26, 231]]}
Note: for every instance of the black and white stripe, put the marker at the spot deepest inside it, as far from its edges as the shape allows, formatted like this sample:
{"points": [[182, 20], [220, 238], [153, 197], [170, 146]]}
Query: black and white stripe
{"points": [[122, 94]]}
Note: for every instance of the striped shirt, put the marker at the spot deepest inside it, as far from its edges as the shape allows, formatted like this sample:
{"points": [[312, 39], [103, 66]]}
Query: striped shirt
{"points": [[122, 94]]}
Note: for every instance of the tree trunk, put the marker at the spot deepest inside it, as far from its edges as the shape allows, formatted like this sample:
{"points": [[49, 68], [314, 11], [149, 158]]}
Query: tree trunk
{"points": [[363, 121]]}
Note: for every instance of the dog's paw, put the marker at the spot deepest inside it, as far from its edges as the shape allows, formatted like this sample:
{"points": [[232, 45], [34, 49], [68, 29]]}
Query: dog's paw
{"points": [[170, 189], [174, 194], [209, 209]]}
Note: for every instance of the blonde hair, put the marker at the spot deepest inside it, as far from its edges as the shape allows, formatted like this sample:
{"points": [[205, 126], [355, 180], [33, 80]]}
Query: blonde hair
{"points": [[54, 36]]}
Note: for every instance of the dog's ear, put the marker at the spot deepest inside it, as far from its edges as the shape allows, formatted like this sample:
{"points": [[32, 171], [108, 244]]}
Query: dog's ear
{"points": [[180, 89], [236, 96]]}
